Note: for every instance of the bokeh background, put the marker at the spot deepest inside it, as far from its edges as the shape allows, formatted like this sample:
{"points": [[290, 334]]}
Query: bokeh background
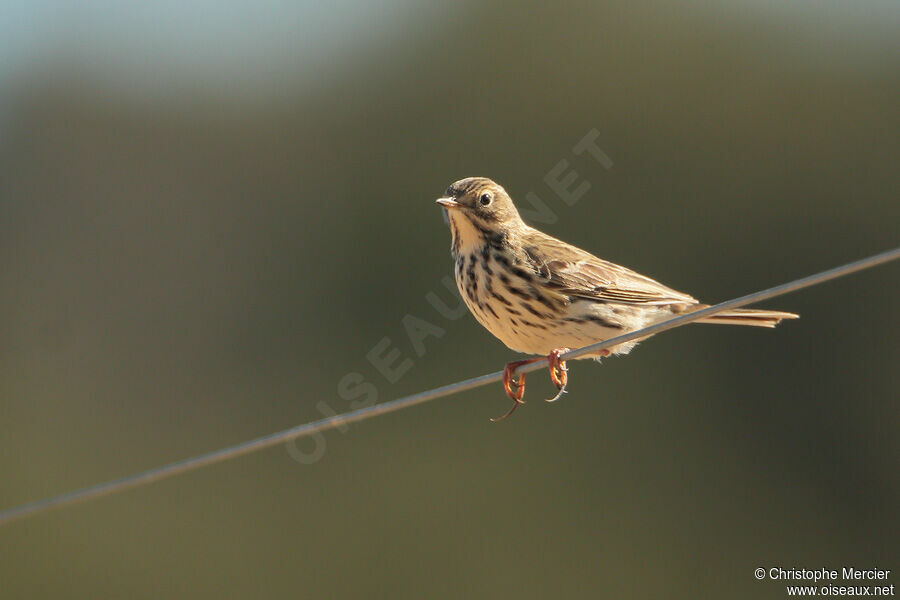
{"points": [[211, 212]]}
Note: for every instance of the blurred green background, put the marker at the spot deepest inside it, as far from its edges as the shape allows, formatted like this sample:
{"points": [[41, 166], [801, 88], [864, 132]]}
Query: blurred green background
{"points": [[210, 213]]}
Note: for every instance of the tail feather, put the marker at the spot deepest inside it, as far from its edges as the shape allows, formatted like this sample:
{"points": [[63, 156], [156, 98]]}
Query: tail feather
{"points": [[749, 316]]}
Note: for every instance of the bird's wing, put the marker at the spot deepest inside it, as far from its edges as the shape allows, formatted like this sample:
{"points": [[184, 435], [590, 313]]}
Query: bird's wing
{"points": [[577, 273]]}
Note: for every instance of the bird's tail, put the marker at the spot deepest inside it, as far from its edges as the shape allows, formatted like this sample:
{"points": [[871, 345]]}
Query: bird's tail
{"points": [[749, 316]]}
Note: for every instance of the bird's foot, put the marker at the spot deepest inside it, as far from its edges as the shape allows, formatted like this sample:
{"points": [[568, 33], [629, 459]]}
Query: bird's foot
{"points": [[509, 381], [559, 373], [515, 388]]}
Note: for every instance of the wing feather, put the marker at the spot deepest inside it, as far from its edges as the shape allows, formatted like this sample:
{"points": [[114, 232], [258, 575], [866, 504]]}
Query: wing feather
{"points": [[577, 273]]}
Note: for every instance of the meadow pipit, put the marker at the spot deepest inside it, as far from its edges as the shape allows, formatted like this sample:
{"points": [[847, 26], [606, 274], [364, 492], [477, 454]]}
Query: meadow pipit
{"points": [[540, 295]]}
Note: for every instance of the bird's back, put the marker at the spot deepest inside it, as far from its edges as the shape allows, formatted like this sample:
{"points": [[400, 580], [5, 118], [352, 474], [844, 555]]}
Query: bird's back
{"points": [[578, 273]]}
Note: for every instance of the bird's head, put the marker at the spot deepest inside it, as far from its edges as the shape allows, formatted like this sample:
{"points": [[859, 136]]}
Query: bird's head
{"points": [[477, 209]]}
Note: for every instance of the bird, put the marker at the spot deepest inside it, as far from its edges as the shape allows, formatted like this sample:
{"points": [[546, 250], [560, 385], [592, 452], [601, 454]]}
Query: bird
{"points": [[542, 296]]}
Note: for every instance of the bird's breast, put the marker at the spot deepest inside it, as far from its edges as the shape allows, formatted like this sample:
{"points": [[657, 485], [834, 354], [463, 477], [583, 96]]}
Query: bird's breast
{"points": [[508, 297]]}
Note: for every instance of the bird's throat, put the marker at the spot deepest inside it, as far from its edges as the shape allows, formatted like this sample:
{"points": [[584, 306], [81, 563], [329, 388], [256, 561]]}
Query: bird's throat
{"points": [[467, 238]]}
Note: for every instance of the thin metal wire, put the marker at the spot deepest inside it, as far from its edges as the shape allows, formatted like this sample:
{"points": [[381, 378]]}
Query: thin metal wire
{"points": [[190, 464]]}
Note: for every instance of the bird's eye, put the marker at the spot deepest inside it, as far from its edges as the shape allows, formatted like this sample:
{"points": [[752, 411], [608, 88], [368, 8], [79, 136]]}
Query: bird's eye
{"points": [[486, 198]]}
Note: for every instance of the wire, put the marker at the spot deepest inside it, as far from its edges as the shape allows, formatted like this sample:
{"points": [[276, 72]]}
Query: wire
{"points": [[332, 422]]}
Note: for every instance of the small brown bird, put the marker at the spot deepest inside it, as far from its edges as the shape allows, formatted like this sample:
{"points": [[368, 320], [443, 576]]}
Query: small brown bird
{"points": [[540, 295]]}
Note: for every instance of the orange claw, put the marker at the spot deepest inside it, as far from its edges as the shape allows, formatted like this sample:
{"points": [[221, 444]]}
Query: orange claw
{"points": [[559, 375], [509, 412], [515, 396], [508, 381], [558, 371]]}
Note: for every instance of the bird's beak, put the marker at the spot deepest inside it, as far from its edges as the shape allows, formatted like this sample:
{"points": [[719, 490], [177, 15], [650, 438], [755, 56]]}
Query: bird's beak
{"points": [[448, 203]]}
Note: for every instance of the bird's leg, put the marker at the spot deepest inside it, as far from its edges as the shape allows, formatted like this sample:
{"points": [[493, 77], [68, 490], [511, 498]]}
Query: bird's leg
{"points": [[509, 372], [508, 382], [559, 373], [558, 370]]}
